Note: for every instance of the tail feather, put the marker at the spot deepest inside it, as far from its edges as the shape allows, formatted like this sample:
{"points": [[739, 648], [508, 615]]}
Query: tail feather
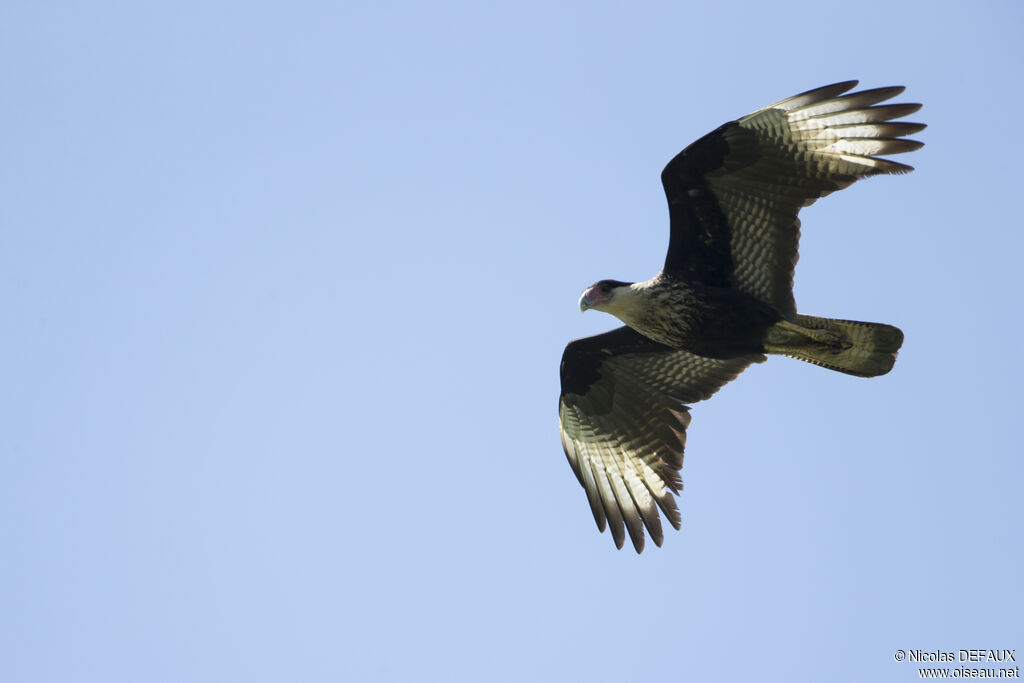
{"points": [[856, 348]]}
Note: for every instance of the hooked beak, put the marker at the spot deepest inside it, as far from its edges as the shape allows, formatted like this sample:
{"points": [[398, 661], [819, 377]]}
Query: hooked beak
{"points": [[593, 297]]}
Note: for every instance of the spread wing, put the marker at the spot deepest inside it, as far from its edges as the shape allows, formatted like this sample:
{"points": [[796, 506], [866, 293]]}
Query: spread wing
{"points": [[734, 194], [623, 424]]}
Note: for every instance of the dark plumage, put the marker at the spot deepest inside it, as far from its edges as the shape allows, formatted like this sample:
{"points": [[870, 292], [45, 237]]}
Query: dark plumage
{"points": [[724, 297]]}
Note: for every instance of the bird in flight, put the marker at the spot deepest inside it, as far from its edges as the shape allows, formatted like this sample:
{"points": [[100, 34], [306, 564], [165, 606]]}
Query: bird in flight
{"points": [[724, 297]]}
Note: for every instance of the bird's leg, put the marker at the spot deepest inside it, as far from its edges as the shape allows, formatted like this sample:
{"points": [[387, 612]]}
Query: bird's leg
{"points": [[787, 334]]}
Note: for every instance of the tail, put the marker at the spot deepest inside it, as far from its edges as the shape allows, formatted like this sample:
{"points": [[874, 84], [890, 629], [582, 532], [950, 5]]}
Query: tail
{"points": [[856, 348]]}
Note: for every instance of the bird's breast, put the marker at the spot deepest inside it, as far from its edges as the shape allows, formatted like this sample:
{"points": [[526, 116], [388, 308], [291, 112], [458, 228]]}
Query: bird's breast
{"points": [[715, 322]]}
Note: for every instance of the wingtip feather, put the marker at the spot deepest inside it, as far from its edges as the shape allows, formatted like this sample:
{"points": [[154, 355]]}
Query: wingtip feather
{"points": [[825, 92]]}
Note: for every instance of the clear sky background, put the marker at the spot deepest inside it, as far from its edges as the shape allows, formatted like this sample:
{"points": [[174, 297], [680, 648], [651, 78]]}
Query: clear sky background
{"points": [[284, 289]]}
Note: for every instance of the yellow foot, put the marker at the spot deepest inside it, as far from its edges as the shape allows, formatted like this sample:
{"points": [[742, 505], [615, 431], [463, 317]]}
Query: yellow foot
{"points": [[785, 333]]}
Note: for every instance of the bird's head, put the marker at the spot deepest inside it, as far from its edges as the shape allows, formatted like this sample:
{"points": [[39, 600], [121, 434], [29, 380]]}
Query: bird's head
{"points": [[601, 295]]}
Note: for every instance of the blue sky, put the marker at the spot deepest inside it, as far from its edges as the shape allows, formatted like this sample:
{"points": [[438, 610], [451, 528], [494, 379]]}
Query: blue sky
{"points": [[285, 288]]}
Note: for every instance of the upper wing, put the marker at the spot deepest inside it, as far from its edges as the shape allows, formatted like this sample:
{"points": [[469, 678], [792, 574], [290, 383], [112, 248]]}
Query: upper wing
{"points": [[734, 194], [623, 424]]}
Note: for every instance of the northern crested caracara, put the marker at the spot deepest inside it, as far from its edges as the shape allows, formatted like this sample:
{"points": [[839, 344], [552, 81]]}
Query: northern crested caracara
{"points": [[724, 297]]}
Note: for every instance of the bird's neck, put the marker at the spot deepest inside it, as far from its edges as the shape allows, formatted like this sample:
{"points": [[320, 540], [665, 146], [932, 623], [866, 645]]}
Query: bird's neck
{"points": [[645, 306]]}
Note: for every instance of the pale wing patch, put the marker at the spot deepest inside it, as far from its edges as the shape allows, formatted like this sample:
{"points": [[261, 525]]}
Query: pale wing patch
{"points": [[786, 156], [624, 436]]}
